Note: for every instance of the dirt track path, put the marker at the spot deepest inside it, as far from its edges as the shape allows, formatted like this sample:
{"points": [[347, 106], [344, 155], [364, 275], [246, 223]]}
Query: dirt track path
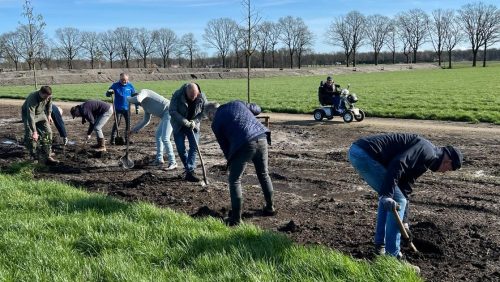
{"points": [[387, 124]]}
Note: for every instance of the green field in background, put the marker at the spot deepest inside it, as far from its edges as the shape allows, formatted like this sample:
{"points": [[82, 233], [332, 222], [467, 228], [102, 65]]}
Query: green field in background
{"points": [[460, 94]]}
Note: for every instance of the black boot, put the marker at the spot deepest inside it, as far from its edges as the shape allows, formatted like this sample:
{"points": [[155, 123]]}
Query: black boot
{"points": [[191, 177]]}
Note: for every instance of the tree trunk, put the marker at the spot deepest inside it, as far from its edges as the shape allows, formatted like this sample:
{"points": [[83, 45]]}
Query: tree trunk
{"points": [[474, 57], [248, 77], [439, 58], [111, 62], [191, 60], [272, 53], [393, 57], [415, 55], [145, 62], [354, 58], [376, 58], [291, 60], [484, 55], [164, 61], [449, 59], [263, 59], [92, 63], [347, 59]]}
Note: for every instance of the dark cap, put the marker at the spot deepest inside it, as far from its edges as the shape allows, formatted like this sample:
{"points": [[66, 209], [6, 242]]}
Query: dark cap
{"points": [[455, 155], [329, 78], [74, 110]]}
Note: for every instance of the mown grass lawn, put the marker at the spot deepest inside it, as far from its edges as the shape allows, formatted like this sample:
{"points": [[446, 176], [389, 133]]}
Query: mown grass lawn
{"points": [[53, 232], [461, 94]]}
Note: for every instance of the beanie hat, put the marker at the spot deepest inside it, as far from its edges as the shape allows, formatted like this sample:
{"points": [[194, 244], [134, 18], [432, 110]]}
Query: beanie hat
{"points": [[455, 156]]}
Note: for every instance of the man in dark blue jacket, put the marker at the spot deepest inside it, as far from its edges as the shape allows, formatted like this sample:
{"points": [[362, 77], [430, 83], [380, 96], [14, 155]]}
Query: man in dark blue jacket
{"points": [[97, 114], [59, 123], [121, 89], [242, 139], [390, 164]]}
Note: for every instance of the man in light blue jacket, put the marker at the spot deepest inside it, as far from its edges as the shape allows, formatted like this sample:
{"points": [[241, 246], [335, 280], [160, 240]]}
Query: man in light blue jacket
{"points": [[155, 104]]}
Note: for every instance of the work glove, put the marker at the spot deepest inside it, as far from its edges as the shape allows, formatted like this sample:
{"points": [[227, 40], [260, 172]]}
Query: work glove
{"points": [[388, 203], [110, 92], [191, 124], [65, 141]]}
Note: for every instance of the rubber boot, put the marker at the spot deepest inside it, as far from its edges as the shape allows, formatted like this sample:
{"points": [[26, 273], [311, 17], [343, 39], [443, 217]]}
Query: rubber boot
{"points": [[101, 147]]}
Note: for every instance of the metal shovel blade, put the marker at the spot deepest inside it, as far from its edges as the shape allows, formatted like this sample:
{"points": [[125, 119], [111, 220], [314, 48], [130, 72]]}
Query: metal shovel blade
{"points": [[126, 162]]}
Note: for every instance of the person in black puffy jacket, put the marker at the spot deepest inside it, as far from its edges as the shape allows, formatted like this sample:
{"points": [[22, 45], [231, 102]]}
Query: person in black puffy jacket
{"points": [[242, 139]]}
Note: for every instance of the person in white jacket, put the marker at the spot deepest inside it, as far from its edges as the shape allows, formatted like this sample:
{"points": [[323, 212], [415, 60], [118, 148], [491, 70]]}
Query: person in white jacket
{"points": [[157, 105]]}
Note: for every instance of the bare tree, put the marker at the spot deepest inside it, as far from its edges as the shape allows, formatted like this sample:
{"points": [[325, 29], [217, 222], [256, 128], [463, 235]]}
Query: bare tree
{"points": [[274, 40], [238, 41], [491, 32], [90, 43], [218, 34], [189, 45], [32, 36], [339, 34], [414, 23], [10, 44], [436, 26], [109, 45], [124, 37], [46, 53], [166, 40], [452, 35], [392, 40], [478, 20], [70, 40], [378, 30], [289, 34], [357, 24], [304, 41], [252, 20], [144, 44], [264, 35]]}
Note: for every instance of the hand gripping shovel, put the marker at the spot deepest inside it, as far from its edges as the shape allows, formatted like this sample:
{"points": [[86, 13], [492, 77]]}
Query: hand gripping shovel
{"points": [[118, 139], [201, 161], [125, 160], [403, 230]]}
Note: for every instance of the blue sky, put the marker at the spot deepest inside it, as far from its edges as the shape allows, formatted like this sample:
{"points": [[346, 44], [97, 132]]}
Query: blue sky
{"points": [[185, 16]]}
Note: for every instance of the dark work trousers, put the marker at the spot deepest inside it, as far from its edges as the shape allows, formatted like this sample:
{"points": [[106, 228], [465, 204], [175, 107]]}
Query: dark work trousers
{"points": [[119, 115], [255, 151]]}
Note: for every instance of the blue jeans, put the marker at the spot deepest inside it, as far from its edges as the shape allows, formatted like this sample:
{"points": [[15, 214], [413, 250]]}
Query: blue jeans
{"points": [[163, 133], [387, 229], [188, 158]]}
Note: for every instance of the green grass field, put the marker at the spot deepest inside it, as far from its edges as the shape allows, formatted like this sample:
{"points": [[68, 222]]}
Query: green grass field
{"points": [[461, 94], [53, 232]]}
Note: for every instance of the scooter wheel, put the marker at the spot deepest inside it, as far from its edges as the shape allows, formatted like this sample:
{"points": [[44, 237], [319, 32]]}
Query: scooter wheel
{"points": [[318, 114]]}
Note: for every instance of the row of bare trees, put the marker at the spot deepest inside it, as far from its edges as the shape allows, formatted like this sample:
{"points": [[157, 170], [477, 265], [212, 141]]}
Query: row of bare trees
{"points": [[477, 23], [408, 31]]}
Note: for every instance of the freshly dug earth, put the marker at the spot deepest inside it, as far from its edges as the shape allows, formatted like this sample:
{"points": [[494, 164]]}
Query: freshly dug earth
{"points": [[320, 199]]}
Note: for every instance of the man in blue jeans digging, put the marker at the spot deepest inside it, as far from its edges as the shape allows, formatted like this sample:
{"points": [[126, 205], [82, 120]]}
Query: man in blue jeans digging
{"points": [[155, 104], [186, 109], [242, 139], [390, 164]]}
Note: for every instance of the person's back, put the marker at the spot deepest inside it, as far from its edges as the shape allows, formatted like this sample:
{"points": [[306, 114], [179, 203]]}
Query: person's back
{"points": [[235, 124], [153, 102]]}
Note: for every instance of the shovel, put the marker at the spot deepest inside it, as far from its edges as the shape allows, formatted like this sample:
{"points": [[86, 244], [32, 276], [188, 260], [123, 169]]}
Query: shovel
{"points": [[118, 139], [201, 161], [403, 230], [125, 160]]}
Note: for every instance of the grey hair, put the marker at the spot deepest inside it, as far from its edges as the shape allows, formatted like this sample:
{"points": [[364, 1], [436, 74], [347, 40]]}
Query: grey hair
{"points": [[210, 108]]}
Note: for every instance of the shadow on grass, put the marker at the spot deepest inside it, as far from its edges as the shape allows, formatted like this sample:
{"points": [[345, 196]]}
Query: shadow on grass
{"points": [[95, 203]]}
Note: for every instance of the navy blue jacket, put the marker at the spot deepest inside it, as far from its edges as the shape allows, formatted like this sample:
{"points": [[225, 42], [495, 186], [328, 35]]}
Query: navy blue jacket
{"points": [[121, 94], [91, 110], [235, 124], [406, 157]]}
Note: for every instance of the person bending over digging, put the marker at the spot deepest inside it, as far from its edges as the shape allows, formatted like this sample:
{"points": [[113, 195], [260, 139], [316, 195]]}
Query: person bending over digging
{"points": [[186, 110], [154, 104], [36, 116], [97, 114], [390, 164], [121, 90], [242, 139]]}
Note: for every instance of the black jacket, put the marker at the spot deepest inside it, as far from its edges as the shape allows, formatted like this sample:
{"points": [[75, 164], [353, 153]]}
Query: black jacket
{"points": [[406, 157]]}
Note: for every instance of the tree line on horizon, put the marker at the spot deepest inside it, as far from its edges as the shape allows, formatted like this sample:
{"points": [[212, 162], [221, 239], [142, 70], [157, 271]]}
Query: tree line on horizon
{"points": [[285, 43]]}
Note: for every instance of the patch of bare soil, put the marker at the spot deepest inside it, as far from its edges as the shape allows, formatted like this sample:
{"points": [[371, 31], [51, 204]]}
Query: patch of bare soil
{"points": [[320, 199]]}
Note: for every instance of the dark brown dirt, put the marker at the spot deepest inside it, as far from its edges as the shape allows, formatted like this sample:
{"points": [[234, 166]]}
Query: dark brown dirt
{"points": [[455, 217]]}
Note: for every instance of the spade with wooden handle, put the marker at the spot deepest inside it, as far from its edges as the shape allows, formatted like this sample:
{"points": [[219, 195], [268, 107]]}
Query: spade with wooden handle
{"points": [[403, 230]]}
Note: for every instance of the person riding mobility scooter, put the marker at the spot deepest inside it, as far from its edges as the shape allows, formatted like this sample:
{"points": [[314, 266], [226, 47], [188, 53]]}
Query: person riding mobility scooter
{"points": [[336, 101]]}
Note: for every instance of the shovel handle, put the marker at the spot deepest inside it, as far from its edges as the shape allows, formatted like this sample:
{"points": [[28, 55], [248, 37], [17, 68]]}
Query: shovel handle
{"points": [[201, 159], [403, 230]]}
